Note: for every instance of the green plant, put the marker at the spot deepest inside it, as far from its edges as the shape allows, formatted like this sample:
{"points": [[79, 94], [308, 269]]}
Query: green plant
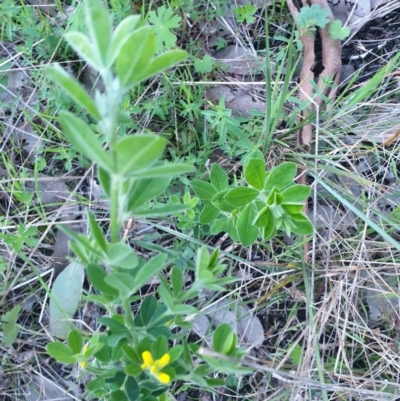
{"points": [[270, 201], [310, 17], [221, 120], [245, 13], [163, 21], [133, 356]]}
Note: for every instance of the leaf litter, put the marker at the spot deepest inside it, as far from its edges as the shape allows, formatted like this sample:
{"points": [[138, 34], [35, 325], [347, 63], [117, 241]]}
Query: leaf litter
{"points": [[331, 216]]}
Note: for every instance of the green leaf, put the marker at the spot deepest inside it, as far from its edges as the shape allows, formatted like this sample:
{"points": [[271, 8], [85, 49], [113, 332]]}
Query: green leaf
{"points": [[96, 275], [166, 296], [264, 217], [112, 323], [81, 44], [175, 352], [65, 297], [281, 176], [135, 56], [149, 270], [118, 395], [131, 353], [105, 180], [224, 339], [164, 210], [232, 231], [218, 177], [9, 325], [245, 13], [208, 214], [97, 231], [220, 225], [204, 65], [177, 280], [162, 62], [269, 230], [295, 354], [122, 282], [300, 224], [98, 24], [75, 341], [166, 169], [309, 17], [254, 173], [247, 232], [163, 21], [256, 154], [241, 196], [120, 35], [220, 202], [84, 139], [146, 189], [122, 256], [293, 208], [337, 31], [202, 260], [133, 370], [296, 193], [147, 309], [204, 190], [137, 152], [131, 388], [61, 353], [74, 89]]}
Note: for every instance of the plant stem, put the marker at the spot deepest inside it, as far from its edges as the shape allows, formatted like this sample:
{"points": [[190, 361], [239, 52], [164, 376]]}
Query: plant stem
{"points": [[129, 320], [114, 204]]}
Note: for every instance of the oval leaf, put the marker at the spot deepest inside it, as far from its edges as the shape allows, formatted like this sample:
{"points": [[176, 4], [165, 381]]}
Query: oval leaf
{"points": [[120, 35], [162, 62], [146, 189], [96, 275], [98, 24], [81, 44], [281, 176], [149, 270], [65, 297], [241, 196], [61, 352], [208, 214], [84, 139], [74, 89], [218, 177], [254, 173], [263, 218], [220, 225], [220, 203], [300, 224], [247, 232], [296, 193], [135, 153], [135, 56], [204, 190]]}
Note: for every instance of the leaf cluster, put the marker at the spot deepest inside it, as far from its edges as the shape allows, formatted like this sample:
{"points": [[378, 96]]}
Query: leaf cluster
{"points": [[270, 201]]}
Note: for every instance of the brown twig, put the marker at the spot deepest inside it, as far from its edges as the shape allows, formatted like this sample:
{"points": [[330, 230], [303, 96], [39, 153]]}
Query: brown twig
{"points": [[327, 80]]}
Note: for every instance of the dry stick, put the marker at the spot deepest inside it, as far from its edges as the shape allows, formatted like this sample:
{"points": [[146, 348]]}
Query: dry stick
{"points": [[331, 57], [331, 60]]}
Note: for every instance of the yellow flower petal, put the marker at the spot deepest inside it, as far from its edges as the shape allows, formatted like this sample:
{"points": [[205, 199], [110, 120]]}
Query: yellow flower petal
{"points": [[83, 364], [163, 378], [163, 361], [147, 359]]}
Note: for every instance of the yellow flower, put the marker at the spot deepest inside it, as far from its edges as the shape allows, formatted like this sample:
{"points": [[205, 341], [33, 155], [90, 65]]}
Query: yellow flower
{"points": [[155, 366], [84, 349]]}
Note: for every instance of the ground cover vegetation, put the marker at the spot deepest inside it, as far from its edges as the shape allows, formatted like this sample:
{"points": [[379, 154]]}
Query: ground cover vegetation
{"points": [[196, 204]]}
